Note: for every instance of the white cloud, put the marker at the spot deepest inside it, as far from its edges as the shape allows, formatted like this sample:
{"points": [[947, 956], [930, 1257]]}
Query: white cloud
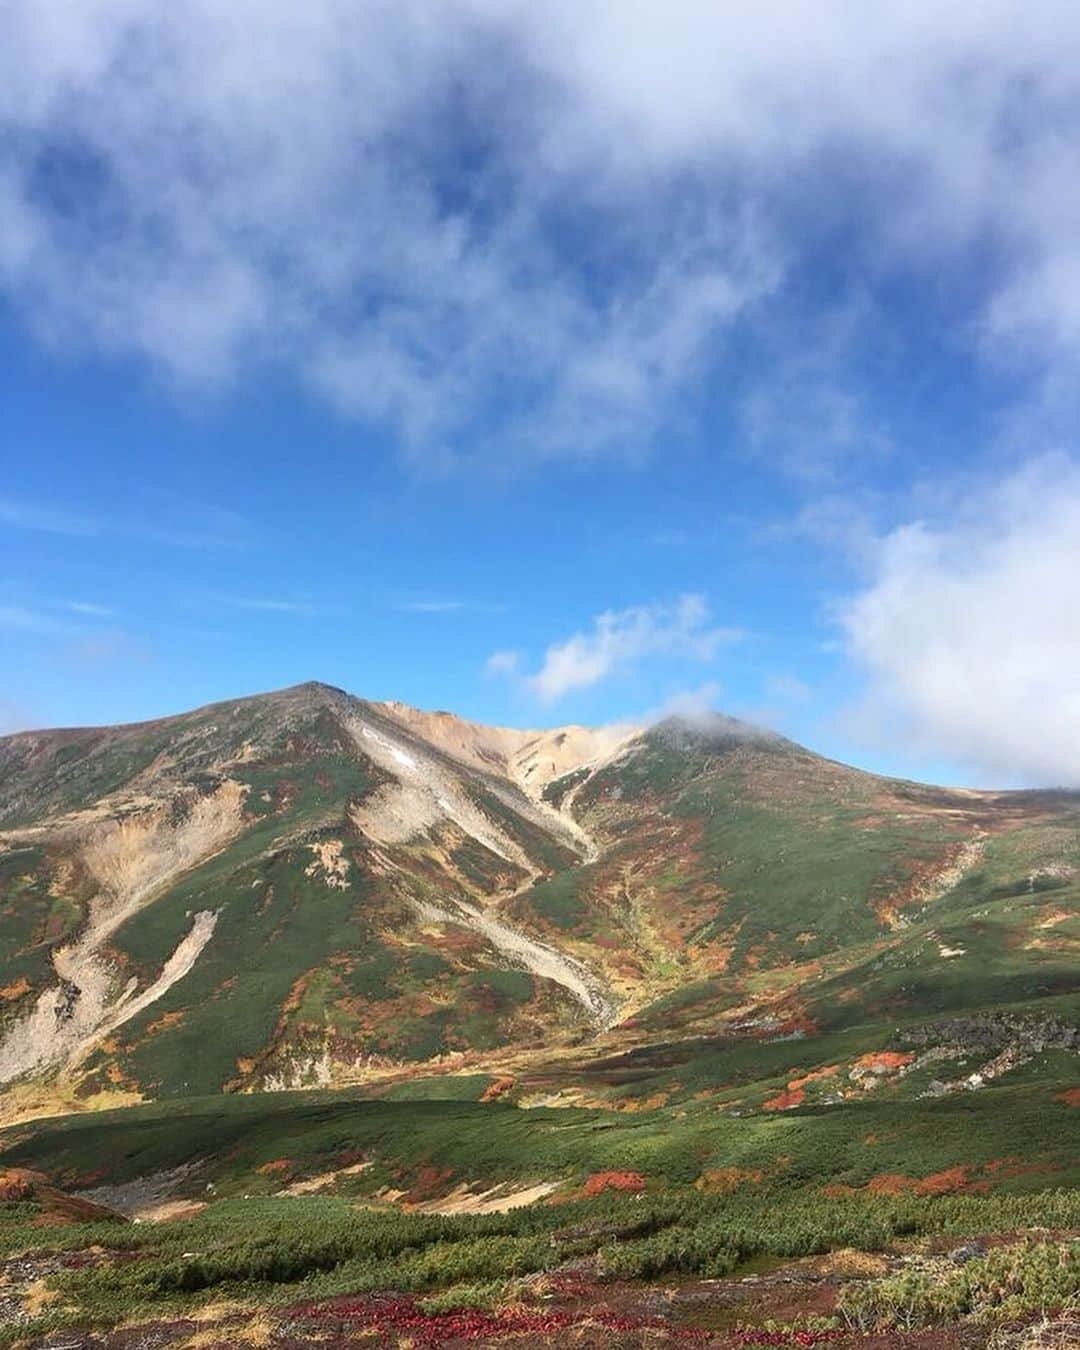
{"points": [[88, 609], [503, 663], [272, 605], [969, 632], [431, 213], [788, 688], [618, 641], [690, 705], [433, 606], [22, 515], [447, 605]]}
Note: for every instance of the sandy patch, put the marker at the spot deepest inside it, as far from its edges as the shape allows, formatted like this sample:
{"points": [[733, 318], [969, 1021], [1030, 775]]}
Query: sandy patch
{"points": [[168, 1210], [497, 1200], [330, 864], [532, 759], [423, 794], [323, 1182], [535, 956]]}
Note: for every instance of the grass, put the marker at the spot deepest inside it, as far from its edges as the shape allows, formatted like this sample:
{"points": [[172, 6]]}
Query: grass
{"points": [[231, 1138], [275, 1252], [747, 872]]}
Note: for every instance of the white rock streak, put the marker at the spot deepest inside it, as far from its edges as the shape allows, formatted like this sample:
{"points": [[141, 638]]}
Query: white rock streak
{"points": [[133, 860]]}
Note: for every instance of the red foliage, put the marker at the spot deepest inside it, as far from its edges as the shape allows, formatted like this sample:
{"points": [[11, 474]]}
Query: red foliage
{"points": [[784, 1101], [814, 1076], [403, 1314], [613, 1181], [429, 1182], [942, 1183]]}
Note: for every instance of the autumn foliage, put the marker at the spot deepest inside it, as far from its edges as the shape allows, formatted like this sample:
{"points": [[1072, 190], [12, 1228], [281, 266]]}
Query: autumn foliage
{"points": [[613, 1181]]}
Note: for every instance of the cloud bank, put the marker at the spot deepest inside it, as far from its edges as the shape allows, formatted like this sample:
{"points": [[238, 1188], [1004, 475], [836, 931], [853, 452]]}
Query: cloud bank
{"points": [[539, 223], [969, 632]]}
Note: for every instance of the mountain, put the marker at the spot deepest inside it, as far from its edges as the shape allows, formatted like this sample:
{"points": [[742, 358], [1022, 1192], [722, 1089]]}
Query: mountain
{"points": [[305, 889]]}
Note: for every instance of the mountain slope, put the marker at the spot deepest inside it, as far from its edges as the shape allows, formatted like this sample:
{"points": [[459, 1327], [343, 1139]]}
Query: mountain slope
{"points": [[264, 889], [736, 865], [306, 888]]}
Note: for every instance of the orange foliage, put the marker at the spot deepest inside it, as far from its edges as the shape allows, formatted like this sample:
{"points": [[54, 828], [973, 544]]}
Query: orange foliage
{"points": [[793, 1094], [613, 1181], [17, 1183], [653, 1103], [885, 1059], [947, 1182], [784, 1101], [829, 1072], [942, 1183], [165, 1021], [725, 1179], [889, 1183], [1071, 1096], [276, 1167], [499, 1088]]}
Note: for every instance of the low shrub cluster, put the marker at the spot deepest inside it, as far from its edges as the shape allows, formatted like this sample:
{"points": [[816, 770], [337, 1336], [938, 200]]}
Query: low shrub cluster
{"points": [[427, 1326], [1008, 1282], [275, 1251]]}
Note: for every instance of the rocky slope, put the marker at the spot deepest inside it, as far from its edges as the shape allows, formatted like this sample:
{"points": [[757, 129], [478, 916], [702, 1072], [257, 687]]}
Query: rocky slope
{"points": [[305, 888]]}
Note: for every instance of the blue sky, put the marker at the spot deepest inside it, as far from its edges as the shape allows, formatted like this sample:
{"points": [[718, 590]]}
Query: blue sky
{"points": [[549, 364]]}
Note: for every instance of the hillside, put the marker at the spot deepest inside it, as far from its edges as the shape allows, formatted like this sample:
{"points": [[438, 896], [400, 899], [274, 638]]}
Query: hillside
{"points": [[304, 888], [427, 1033]]}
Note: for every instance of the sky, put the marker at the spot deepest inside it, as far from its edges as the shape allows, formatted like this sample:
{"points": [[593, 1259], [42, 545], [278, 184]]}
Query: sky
{"points": [[578, 362]]}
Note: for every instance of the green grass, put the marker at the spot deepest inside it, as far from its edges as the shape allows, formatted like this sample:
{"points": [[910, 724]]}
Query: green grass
{"points": [[280, 1252], [558, 900], [818, 871], [232, 1137]]}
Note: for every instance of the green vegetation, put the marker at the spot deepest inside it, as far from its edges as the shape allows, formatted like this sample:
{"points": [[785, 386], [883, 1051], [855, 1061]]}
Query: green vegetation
{"points": [[277, 1252], [851, 1008], [1007, 1282], [232, 1138], [558, 900]]}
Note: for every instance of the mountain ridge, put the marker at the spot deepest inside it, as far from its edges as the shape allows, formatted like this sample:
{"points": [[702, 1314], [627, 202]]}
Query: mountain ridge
{"points": [[304, 888]]}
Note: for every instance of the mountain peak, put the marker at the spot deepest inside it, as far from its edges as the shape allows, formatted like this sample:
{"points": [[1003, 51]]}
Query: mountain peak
{"points": [[531, 758], [716, 728]]}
